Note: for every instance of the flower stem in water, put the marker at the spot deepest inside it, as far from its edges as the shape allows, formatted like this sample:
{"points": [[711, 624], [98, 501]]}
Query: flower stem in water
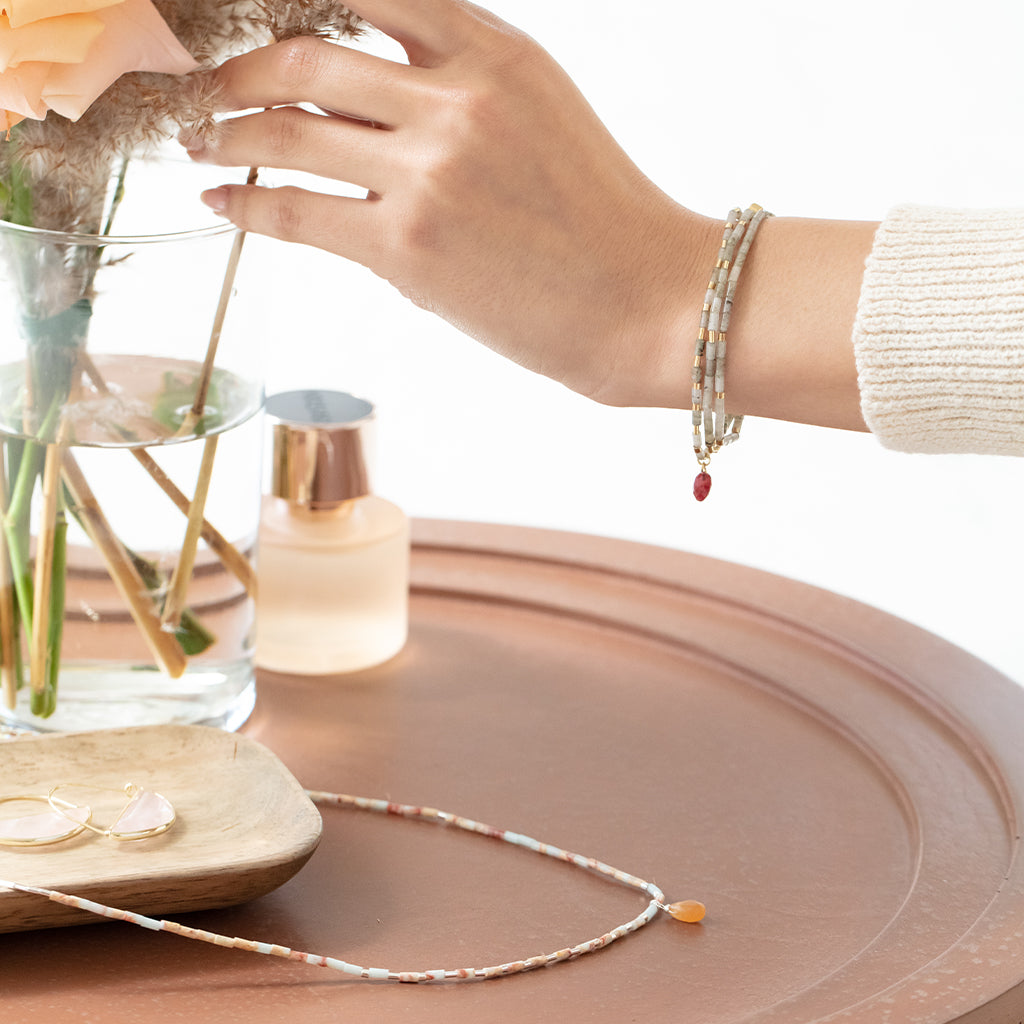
{"points": [[48, 598], [163, 645]]}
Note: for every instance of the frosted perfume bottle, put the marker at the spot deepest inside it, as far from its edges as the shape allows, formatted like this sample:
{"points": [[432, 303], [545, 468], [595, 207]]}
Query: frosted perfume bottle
{"points": [[333, 560]]}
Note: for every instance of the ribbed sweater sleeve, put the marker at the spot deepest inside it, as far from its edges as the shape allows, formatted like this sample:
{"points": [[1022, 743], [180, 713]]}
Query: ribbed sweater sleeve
{"points": [[939, 332]]}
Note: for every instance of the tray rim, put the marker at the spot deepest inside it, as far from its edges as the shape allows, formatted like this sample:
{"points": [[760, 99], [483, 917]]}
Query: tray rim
{"points": [[941, 683]]}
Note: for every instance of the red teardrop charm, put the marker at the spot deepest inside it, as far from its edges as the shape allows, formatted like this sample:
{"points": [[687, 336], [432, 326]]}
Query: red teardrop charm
{"points": [[702, 485]]}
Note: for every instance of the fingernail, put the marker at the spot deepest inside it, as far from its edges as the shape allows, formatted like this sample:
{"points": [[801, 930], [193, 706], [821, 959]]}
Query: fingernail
{"points": [[192, 141], [216, 199]]}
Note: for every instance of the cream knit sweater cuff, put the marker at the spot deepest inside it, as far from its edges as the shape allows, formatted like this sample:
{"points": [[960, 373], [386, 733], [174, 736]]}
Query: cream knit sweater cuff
{"points": [[939, 333]]}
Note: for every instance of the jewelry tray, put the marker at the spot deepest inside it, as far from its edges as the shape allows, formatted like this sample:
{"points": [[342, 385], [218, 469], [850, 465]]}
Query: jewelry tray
{"points": [[843, 791], [244, 825]]}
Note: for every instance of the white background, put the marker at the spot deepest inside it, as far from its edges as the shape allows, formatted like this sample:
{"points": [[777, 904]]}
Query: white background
{"points": [[824, 110]]}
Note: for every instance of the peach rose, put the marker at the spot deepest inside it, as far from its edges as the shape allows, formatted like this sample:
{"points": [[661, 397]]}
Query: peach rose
{"points": [[61, 54]]}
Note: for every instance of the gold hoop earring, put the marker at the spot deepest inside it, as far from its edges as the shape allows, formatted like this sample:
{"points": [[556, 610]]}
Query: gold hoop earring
{"points": [[146, 814], [62, 820]]}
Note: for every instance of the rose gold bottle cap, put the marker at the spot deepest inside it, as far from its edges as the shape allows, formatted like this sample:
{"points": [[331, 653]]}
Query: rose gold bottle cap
{"points": [[319, 452]]}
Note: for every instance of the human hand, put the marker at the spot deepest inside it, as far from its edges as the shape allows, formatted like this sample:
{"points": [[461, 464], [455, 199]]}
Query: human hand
{"points": [[495, 197]]}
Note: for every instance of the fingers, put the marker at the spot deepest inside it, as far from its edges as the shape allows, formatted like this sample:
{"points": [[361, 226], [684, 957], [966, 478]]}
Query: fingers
{"points": [[308, 70], [345, 79], [295, 215], [428, 30], [288, 138]]}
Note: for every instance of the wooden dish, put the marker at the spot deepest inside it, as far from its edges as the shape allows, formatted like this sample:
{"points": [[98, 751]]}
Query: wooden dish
{"points": [[221, 851]]}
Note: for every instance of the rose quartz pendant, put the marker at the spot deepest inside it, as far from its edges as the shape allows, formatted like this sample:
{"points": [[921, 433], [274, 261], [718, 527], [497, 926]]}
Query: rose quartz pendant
{"points": [[46, 827], [147, 814], [702, 485]]}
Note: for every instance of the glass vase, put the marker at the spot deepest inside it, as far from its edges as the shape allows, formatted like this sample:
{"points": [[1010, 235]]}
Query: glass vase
{"points": [[130, 480]]}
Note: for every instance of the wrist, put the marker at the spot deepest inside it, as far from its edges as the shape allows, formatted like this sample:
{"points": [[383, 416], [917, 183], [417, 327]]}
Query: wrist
{"points": [[790, 338], [672, 369], [654, 347]]}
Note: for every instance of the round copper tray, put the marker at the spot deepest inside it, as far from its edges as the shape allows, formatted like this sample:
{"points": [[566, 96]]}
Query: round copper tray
{"points": [[840, 788]]}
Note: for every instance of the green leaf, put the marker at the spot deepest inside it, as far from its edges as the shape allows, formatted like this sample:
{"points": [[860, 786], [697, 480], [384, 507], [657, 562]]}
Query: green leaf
{"points": [[177, 395], [16, 196], [192, 636]]}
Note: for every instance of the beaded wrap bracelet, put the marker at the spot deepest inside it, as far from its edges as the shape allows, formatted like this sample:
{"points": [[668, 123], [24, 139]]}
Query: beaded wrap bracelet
{"points": [[713, 428]]}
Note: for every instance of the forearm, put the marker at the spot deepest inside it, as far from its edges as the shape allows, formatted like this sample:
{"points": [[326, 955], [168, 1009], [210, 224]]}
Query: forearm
{"points": [[790, 349], [790, 346]]}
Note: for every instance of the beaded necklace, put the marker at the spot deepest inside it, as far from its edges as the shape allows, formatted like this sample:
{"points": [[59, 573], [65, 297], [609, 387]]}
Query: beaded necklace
{"points": [[689, 911]]}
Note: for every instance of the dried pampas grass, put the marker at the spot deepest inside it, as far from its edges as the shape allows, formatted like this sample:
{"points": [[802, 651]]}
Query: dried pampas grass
{"points": [[67, 166]]}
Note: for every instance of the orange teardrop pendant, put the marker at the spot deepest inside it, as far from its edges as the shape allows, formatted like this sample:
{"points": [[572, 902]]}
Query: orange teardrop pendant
{"points": [[690, 911]]}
